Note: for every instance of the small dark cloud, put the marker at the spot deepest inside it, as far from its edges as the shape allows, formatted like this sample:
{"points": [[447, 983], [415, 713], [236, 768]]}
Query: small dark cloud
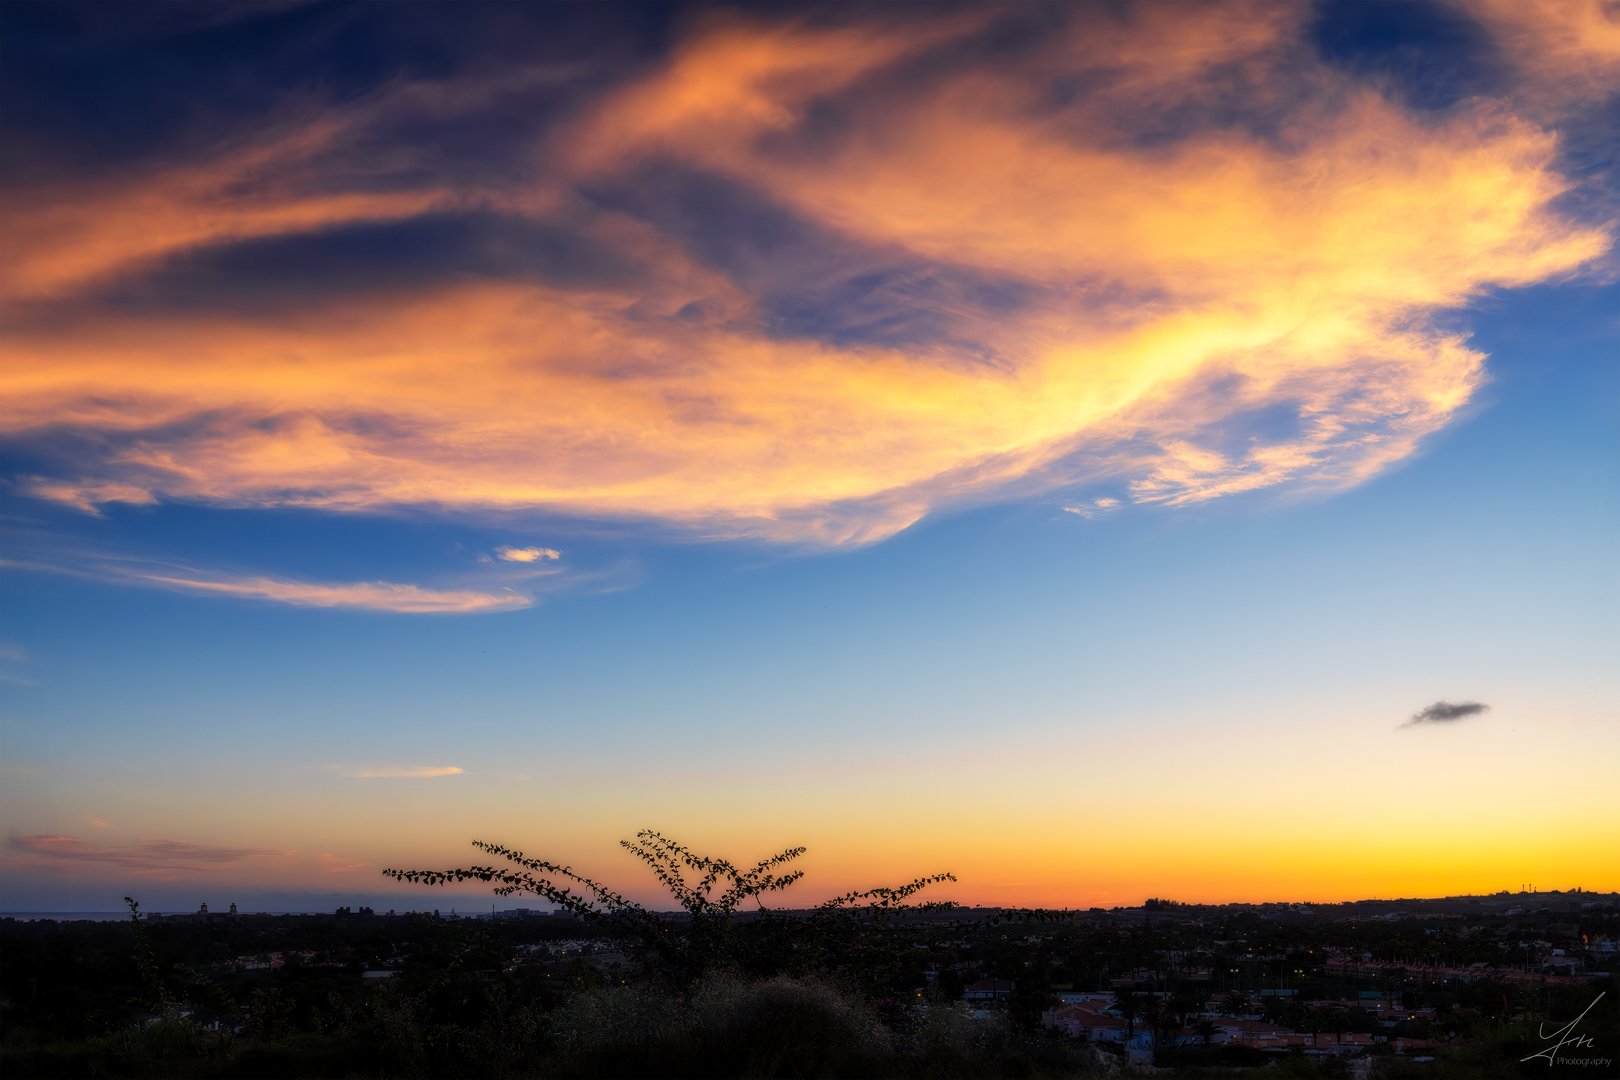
{"points": [[1445, 711]]}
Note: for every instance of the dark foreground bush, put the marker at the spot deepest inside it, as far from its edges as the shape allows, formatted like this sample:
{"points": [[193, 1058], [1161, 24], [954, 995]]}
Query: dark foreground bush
{"points": [[1210, 1057], [780, 1027], [178, 1050], [724, 1026], [790, 1028]]}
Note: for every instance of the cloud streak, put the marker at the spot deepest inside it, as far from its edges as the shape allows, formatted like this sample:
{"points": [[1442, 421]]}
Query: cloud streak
{"points": [[401, 772], [1445, 712], [362, 595], [359, 595], [333, 864], [150, 855], [468, 592], [960, 276]]}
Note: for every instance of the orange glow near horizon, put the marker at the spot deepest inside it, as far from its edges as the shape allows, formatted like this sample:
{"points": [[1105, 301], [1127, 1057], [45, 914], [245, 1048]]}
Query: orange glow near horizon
{"points": [[1276, 811]]}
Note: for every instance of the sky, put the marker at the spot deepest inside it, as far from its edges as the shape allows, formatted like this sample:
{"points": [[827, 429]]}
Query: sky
{"points": [[1099, 450]]}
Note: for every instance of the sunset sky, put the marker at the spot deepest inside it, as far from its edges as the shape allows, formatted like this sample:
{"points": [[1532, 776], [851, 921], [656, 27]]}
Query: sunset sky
{"points": [[1088, 448]]}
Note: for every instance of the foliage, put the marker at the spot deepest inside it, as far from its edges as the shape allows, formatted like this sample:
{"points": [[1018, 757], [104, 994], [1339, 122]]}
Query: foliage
{"points": [[157, 996], [707, 936], [867, 990], [1129, 1006], [731, 1026]]}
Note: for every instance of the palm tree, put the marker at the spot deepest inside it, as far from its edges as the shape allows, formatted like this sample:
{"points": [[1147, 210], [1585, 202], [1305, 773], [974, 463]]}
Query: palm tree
{"points": [[1207, 1029], [1164, 1021], [1184, 1003], [1311, 1021], [1128, 1004]]}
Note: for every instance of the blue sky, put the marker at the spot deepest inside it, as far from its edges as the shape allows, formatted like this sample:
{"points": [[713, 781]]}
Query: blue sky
{"points": [[837, 593], [1482, 569]]}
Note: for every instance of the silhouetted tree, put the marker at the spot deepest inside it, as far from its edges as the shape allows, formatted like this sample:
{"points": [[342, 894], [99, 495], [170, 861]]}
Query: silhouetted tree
{"points": [[157, 996], [1129, 1006], [1159, 1016], [708, 936], [1183, 1004]]}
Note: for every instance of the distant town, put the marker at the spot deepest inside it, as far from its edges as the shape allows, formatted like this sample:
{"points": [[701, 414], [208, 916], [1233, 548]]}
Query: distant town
{"points": [[1165, 983]]}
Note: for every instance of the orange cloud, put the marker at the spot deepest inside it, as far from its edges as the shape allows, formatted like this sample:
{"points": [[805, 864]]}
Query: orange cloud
{"points": [[1171, 290], [1569, 48], [527, 554], [63, 238], [88, 496]]}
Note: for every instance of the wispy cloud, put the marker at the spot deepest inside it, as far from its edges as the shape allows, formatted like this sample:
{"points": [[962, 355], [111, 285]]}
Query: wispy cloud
{"points": [[1570, 51], [367, 595], [398, 772], [527, 554], [713, 307], [1095, 508], [16, 655], [150, 855], [499, 588], [1444, 712], [332, 864], [86, 496], [364, 595]]}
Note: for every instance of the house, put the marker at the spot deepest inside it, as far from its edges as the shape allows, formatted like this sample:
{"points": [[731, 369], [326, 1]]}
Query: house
{"points": [[988, 990], [1083, 997], [1093, 1025]]}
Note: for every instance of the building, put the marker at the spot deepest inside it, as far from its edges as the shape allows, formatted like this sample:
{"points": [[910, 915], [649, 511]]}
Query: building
{"points": [[988, 990]]}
